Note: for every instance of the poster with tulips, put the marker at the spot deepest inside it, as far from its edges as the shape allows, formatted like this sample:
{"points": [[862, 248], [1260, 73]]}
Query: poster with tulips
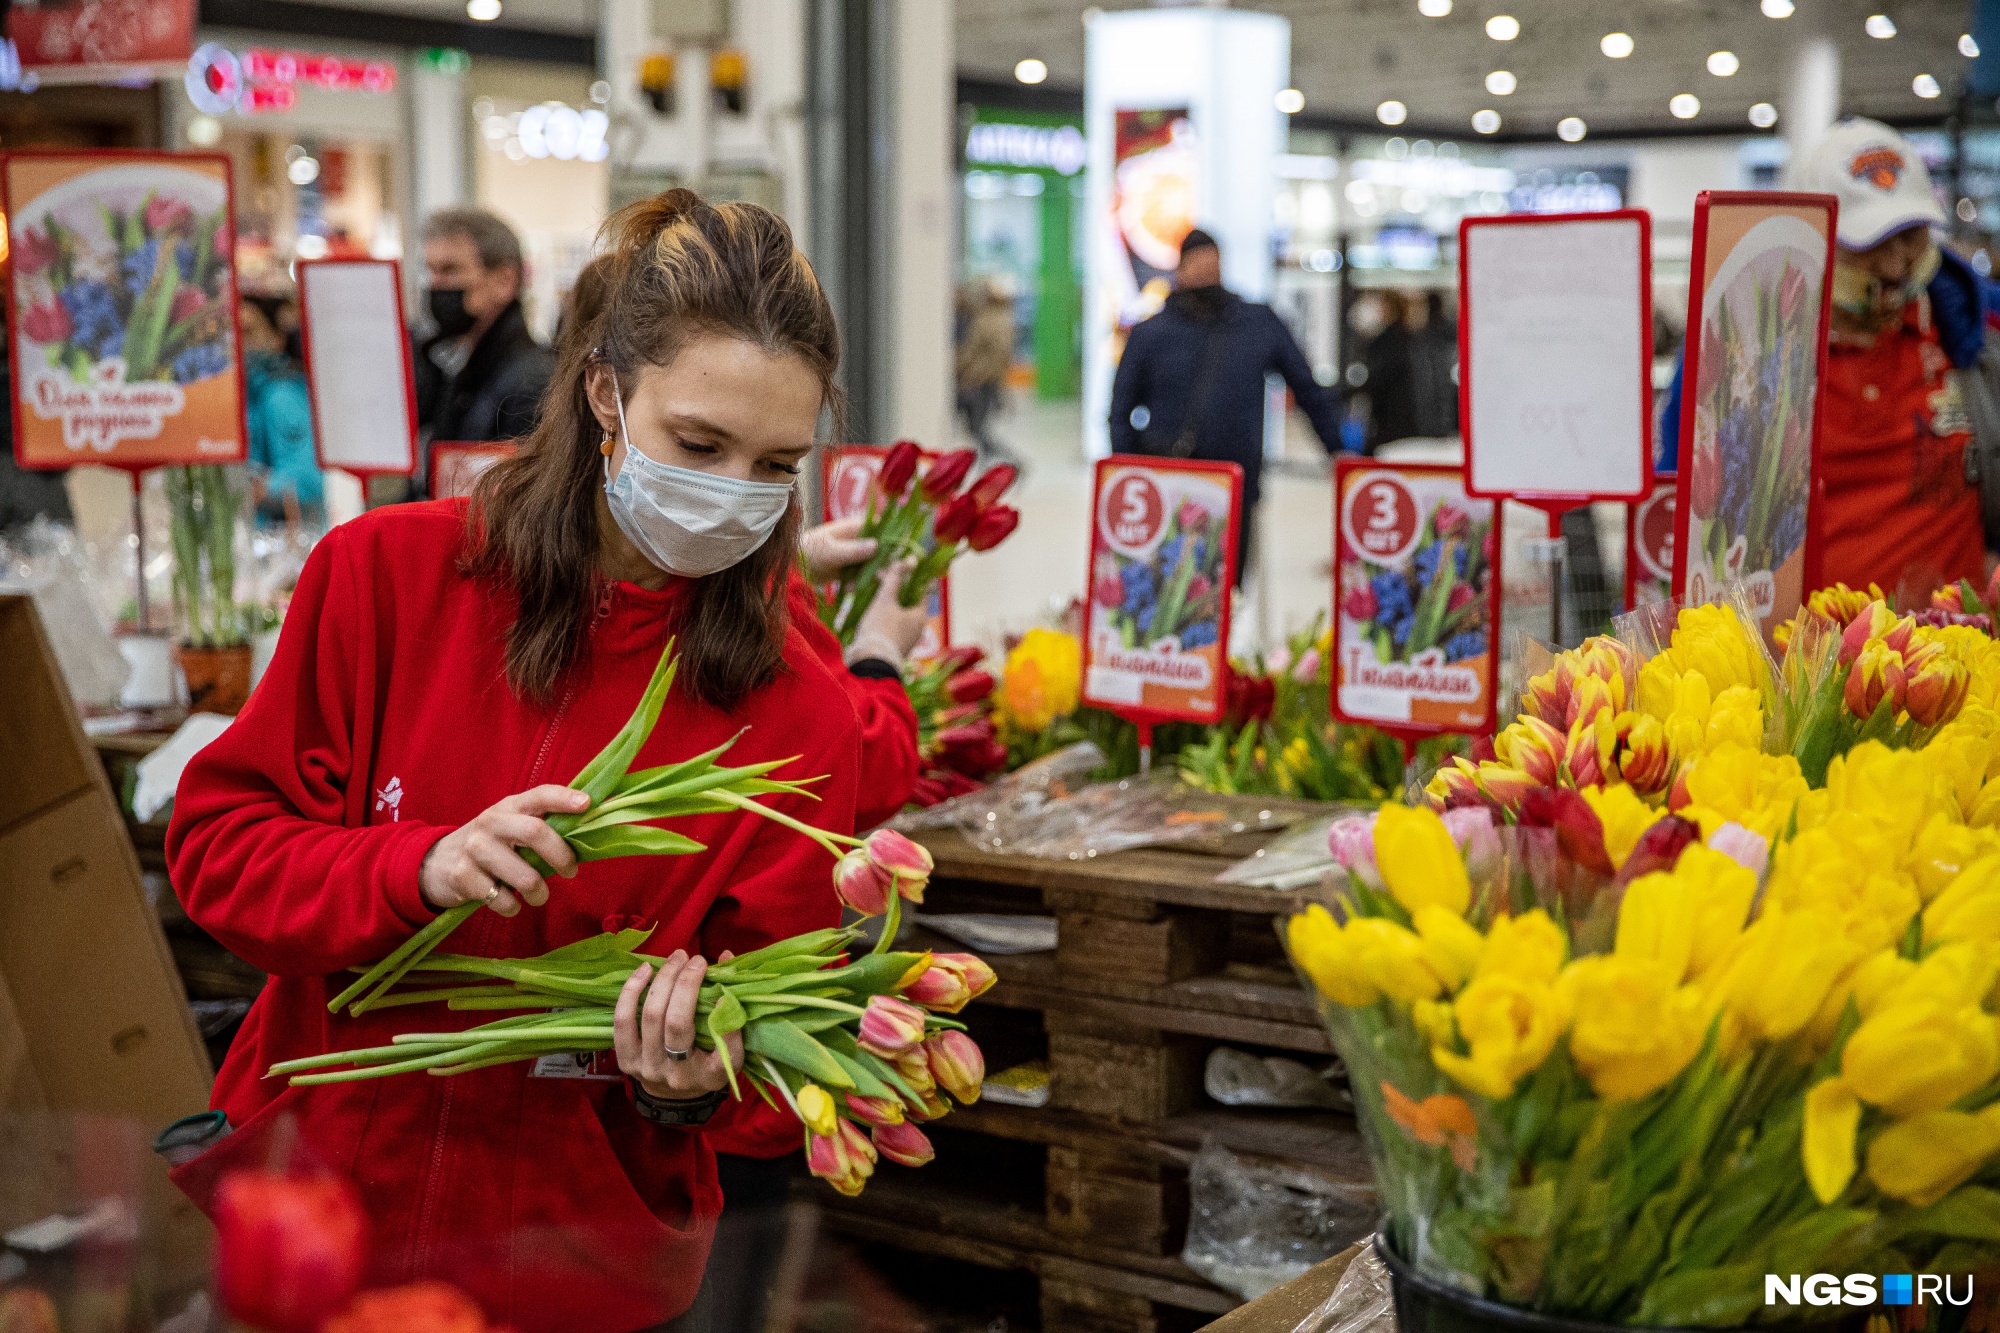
{"points": [[1756, 355], [121, 310], [1649, 544], [1162, 566], [1417, 598], [853, 474]]}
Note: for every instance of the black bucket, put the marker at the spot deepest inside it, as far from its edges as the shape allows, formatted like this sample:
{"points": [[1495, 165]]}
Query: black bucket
{"points": [[1425, 1304]]}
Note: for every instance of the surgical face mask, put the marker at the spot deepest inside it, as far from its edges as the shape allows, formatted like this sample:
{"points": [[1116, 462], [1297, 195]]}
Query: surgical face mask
{"points": [[687, 522], [1865, 296], [448, 312]]}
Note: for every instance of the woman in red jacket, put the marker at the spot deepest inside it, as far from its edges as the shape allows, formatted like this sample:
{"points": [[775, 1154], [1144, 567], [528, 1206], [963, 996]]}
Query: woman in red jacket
{"points": [[442, 671]]}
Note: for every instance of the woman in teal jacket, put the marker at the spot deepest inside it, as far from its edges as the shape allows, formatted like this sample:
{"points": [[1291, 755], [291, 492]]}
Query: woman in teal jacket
{"points": [[280, 416]]}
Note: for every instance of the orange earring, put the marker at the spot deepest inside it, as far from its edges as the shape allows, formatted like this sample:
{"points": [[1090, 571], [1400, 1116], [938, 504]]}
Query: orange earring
{"points": [[604, 447]]}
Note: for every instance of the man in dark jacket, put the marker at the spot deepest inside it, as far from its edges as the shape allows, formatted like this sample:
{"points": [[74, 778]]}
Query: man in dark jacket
{"points": [[1191, 381], [480, 376]]}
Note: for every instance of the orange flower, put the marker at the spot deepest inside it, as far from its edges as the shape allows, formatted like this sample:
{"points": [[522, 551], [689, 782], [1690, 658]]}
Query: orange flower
{"points": [[1439, 1120]]}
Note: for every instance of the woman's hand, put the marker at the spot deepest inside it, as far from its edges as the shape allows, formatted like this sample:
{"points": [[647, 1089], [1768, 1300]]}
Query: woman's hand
{"points": [[832, 547], [652, 1031], [889, 630], [477, 863]]}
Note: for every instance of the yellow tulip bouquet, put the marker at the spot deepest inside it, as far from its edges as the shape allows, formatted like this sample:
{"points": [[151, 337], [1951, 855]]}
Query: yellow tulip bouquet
{"points": [[1690, 976]]}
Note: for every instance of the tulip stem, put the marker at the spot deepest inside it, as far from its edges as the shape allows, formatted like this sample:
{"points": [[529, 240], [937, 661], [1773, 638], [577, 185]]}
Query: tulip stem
{"points": [[831, 842], [892, 919]]}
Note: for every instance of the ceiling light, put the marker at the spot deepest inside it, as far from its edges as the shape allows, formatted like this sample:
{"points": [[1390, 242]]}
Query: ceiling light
{"points": [[1501, 83], [1617, 45], [1967, 47], [1763, 115], [1030, 71], [1778, 9], [1503, 27], [1392, 112], [1925, 86], [1291, 101], [1570, 129], [1967, 211], [204, 131], [1685, 106], [1722, 64], [485, 11], [1434, 9], [1486, 122], [1880, 26], [303, 171], [310, 245]]}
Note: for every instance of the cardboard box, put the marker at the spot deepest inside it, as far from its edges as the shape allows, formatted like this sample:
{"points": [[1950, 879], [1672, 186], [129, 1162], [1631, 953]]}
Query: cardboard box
{"points": [[94, 1023]]}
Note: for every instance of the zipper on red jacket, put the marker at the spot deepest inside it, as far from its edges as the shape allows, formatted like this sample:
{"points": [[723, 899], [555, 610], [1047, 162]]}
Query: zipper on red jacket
{"points": [[427, 1218]]}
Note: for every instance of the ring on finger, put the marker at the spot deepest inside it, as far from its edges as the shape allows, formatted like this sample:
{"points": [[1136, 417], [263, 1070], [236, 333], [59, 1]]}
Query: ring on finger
{"points": [[675, 1055], [491, 894]]}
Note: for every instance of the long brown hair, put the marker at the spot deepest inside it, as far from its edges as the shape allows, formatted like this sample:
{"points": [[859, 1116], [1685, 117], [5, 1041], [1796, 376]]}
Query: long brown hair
{"points": [[675, 267]]}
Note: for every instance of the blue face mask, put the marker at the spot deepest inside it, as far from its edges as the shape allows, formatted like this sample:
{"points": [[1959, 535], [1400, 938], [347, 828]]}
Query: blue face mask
{"points": [[686, 522]]}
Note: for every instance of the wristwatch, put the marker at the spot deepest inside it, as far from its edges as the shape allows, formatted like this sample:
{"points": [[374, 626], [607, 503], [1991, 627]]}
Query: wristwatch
{"points": [[678, 1115]]}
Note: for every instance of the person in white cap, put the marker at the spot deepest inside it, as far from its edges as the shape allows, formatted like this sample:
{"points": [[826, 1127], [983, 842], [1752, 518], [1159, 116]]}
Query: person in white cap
{"points": [[1898, 509]]}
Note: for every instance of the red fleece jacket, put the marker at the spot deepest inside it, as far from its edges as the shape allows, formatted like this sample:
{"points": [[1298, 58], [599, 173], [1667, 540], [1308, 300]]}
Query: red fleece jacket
{"points": [[384, 722]]}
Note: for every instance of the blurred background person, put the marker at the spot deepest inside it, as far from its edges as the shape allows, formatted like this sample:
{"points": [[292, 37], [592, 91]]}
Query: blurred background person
{"points": [[985, 353], [1411, 391], [1191, 381], [284, 469], [480, 375]]}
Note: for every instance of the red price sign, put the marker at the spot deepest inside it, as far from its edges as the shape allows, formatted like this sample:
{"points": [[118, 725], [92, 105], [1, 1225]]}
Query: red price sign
{"points": [[850, 472], [1649, 544], [1416, 600], [1162, 567]]}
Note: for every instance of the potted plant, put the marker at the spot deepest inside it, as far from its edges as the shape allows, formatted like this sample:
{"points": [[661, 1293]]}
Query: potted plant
{"points": [[214, 651]]}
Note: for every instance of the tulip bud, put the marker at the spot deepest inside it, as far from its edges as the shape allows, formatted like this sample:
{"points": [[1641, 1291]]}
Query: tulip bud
{"points": [[942, 477], [862, 884], [968, 687], [914, 1068], [1581, 760], [931, 1106], [875, 1110], [890, 1027], [904, 1144], [816, 1109], [1876, 676], [1472, 829], [1745, 847], [1534, 747], [1636, 744], [1505, 785], [956, 1063], [290, 1251], [1455, 785], [1547, 695], [954, 520], [1351, 840], [951, 982], [908, 863], [1936, 689], [899, 465], [844, 1159], [992, 527], [1871, 622], [993, 483]]}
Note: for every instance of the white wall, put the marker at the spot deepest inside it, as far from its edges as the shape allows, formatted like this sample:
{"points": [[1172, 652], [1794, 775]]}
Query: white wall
{"points": [[925, 119]]}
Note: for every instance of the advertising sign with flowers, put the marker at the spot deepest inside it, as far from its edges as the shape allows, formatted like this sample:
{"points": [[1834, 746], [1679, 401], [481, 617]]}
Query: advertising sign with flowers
{"points": [[122, 309], [1750, 421], [1649, 544], [852, 471], [1162, 563], [1417, 599]]}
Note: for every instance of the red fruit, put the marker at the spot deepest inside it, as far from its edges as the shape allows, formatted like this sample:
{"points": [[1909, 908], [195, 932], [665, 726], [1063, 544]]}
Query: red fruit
{"points": [[992, 527], [899, 465], [290, 1250], [943, 476], [993, 483], [955, 518]]}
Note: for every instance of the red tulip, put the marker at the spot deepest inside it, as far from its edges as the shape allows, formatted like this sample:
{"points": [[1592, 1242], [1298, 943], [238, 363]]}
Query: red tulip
{"points": [[993, 527], [952, 981], [1360, 603], [421, 1307], [907, 863], [187, 300], [968, 687], [1193, 518], [976, 760], [875, 1110], [1705, 490], [993, 484], [844, 1159], [1579, 833], [164, 214], [943, 477], [955, 518], [890, 1027], [861, 884], [899, 465], [1109, 591], [958, 659], [290, 1250], [48, 322], [1659, 847], [904, 1144], [34, 251], [956, 1064]]}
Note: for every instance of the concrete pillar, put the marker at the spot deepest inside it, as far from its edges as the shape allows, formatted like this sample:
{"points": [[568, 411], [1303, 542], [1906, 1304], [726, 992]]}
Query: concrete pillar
{"points": [[1812, 92], [439, 127], [922, 121]]}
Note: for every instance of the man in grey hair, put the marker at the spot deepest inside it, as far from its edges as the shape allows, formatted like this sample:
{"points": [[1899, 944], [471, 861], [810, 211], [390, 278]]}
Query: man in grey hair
{"points": [[480, 374]]}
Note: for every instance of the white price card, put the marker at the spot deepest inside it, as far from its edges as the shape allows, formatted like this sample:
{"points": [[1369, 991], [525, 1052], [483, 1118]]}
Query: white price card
{"points": [[358, 364], [1555, 355]]}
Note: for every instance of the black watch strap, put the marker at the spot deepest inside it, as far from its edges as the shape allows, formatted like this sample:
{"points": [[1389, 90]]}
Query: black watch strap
{"points": [[679, 1115]]}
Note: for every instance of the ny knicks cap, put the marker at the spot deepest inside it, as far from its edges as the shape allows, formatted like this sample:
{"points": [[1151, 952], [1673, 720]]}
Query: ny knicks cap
{"points": [[1878, 177]]}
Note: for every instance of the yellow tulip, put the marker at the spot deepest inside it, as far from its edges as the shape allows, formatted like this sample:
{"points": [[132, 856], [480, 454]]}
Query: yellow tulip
{"points": [[1451, 946], [1509, 1027], [1943, 849], [1781, 969], [1433, 1022], [1985, 812], [1924, 1158], [1738, 783], [1392, 959], [1625, 816], [1917, 1056], [1713, 641], [1528, 947], [816, 1109], [1889, 788], [1969, 907], [1041, 679], [1832, 1116], [1847, 870], [1634, 1030], [1656, 923], [1533, 746], [1320, 949], [1688, 917], [1737, 718], [1417, 859]]}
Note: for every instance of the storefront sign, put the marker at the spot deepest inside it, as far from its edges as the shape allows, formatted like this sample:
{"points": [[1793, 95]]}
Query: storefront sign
{"points": [[1416, 600], [1162, 569], [266, 79], [1556, 356], [1649, 544], [456, 466], [357, 352], [849, 489], [1057, 148], [1758, 303], [121, 309], [85, 40]]}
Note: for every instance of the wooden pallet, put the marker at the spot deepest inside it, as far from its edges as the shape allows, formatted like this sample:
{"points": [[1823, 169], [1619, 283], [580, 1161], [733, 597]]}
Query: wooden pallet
{"points": [[1156, 965]]}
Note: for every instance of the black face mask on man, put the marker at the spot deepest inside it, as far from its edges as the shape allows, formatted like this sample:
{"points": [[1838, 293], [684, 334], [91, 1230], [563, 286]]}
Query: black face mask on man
{"points": [[448, 312]]}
